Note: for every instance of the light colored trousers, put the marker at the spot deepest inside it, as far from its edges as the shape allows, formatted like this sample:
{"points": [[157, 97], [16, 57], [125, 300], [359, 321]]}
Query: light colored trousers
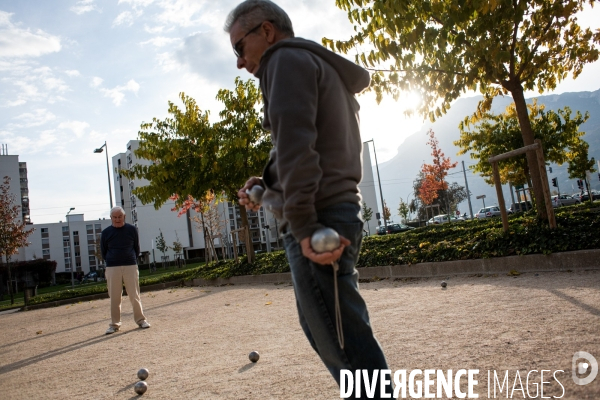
{"points": [[115, 277]]}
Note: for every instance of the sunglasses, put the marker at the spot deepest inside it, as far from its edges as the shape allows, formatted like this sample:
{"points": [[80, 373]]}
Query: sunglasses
{"points": [[238, 48]]}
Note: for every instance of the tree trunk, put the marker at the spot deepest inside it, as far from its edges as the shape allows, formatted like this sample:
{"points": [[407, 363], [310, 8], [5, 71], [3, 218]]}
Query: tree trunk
{"points": [[10, 283], [587, 187], [527, 133], [249, 249]]}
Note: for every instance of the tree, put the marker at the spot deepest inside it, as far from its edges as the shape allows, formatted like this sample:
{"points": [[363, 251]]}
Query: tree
{"points": [[434, 175], [447, 199], [177, 247], [496, 134], [191, 157], [161, 245], [403, 210], [387, 214], [445, 48], [13, 232], [367, 214], [579, 164], [98, 249], [209, 221]]}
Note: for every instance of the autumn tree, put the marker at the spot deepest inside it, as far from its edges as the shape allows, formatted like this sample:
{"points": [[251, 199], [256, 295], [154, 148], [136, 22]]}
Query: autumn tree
{"points": [[447, 199], [490, 134], [387, 214], [367, 214], [434, 175], [13, 232], [98, 249], [579, 164], [190, 156], [443, 49], [207, 219]]}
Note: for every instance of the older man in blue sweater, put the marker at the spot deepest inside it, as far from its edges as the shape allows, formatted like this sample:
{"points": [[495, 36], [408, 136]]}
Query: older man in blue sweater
{"points": [[120, 247]]}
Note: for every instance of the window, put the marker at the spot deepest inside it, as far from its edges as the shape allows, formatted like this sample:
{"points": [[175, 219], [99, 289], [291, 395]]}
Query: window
{"points": [[45, 252], [44, 230], [98, 227], [88, 227], [91, 249], [77, 254], [90, 238], [45, 241], [65, 228], [92, 259], [66, 241], [75, 233]]}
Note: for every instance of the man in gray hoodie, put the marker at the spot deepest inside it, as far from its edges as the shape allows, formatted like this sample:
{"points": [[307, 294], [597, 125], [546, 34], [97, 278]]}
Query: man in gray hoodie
{"points": [[311, 180]]}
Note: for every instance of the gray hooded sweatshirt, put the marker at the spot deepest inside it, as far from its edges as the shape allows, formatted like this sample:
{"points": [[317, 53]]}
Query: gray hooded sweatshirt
{"points": [[312, 114]]}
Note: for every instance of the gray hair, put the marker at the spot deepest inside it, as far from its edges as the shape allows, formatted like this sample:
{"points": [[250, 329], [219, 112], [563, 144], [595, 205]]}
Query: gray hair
{"points": [[115, 209], [252, 12]]}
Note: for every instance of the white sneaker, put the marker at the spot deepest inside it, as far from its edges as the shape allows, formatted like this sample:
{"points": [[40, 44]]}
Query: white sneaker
{"points": [[112, 329], [144, 325]]}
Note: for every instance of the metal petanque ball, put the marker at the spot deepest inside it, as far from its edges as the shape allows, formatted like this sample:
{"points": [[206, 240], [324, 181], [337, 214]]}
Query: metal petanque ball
{"points": [[444, 284], [325, 239], [140, 387], [256, 193], [254, 356], [143, 374]]}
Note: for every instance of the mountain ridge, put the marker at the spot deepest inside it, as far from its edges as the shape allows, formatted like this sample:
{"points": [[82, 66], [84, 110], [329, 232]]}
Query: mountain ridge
{"points": [[398, 173]]}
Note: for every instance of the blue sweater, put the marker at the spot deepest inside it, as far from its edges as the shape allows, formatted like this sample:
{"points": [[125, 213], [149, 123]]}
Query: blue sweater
{"points": [[120, 246]]}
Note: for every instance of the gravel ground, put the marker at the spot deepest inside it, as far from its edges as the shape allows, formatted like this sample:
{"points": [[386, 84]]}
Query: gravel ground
{"points": [[198, 345]]}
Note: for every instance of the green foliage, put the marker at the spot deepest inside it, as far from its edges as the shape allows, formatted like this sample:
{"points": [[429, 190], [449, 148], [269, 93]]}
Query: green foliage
{"points": [[444, 48], [161, 245], [188, 156], [579, 162], [40, 270], [403, 210], [489, 135]]}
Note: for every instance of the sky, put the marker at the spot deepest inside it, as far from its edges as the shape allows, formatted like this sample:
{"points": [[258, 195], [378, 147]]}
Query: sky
{"points": [[75, 74]]}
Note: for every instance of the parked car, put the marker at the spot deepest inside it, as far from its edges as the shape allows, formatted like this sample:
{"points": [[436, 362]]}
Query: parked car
{"points": [[90, 277], [442, 219], [586, 197], [487, 212], [381, 230], [397, 228], [563, 200], [522, 206]]}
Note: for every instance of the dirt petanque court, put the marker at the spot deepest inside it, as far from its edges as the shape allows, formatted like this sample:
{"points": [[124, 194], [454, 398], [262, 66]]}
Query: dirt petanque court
{"points": [[198, 345]]}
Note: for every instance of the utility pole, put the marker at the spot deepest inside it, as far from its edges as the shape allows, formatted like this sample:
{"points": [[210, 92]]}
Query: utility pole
{"points": [[467, 187], [379, 179]]}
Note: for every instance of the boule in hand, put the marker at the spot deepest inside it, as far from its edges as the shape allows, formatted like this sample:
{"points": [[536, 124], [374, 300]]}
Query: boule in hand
{"points": [[324, 239], [255, 194]]}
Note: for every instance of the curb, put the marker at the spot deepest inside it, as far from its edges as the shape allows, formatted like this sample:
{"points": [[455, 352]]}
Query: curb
{"points": [[555, 262]]}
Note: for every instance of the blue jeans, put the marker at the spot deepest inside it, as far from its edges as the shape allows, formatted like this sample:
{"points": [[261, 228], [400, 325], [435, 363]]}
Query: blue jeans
{"points": [[313, 286]]}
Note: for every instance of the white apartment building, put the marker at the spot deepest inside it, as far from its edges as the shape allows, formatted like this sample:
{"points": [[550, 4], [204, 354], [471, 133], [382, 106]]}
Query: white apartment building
{"points": [[73, 244], [17, 172]]}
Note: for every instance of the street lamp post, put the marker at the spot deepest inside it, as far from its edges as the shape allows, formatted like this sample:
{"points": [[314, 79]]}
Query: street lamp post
{"points": [[100, 150], [379, 180], [70, 251]]}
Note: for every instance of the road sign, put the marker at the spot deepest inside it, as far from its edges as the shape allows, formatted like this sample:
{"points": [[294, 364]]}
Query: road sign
{"points": [[480, 197]]}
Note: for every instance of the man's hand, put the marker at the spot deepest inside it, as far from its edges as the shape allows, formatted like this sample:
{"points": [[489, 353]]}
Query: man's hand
{"points": [[325, 258], [244, 200]]}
